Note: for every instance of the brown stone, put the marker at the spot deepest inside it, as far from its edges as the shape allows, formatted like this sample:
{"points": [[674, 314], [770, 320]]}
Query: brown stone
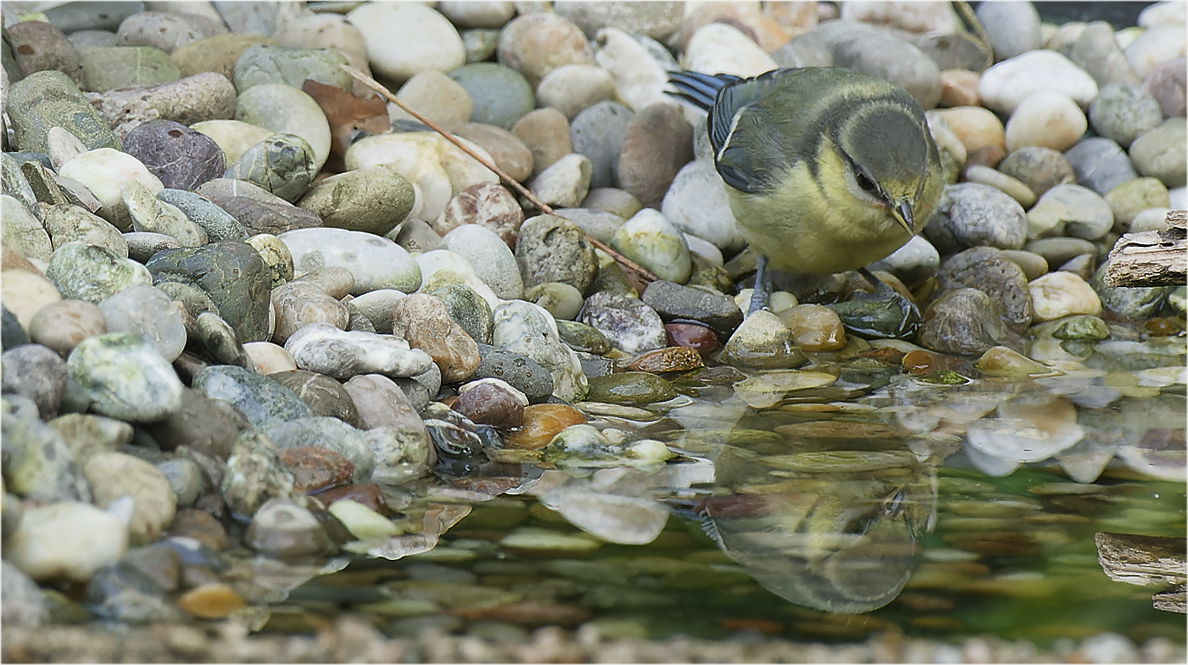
{"points": [[486, 204], [211, 601], [315, 468], [491, 404], [694, 336], [658, 141], [541, 423], [669, 359], [425, 322], [366, 495]]}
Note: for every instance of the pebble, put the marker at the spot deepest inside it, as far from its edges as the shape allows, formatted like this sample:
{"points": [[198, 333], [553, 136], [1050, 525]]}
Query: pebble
{"points": [[396, 434], [24, 603], [656, 245], [1157, 153], [1045, 119], [630, 388], [442, 268], [36, 372], [762, 341], [814, 328], [324, 396], [879, 52], [39, 46], [1155, 45], [493, 261], [1100, 164], [115, 475], [264, 402], [1166, 83], [675, 302], [211, 601], [628, 323], [152, 215], [282, 529], [565, 183], [254, 474], [722, 48], [329, 433], [989, 271], [501, 95], [1013, 28], [166, 31], [597, 132], [959, 87], [491, 402], [406, 39], [1007, 84], [282, 164], [485, 205], [234, 137], [528, 330], [125, 376], [545, 132], [41, 466], [975, 127], [999, 180], [92, 273], [216, 53], [63, 324], [535, 44], [218, 224], [110, 67], [542, 422], [1122, 113], [1057, 251], [518, 370], [554, 249], [201, 97], [22, 232], [1097, 51], [262, 63], [963, 321], [656, 143], [1070, 210], [146, 311], [1130, 198], [297, 305], [374, 261], [638, 76], [322, 348], [180, 157], [68, 540], [1038, 168], [286, 110], [26, 292], [373, 200], [435, 96], [425, 322], [231, 274], [48, 99], [508, 151], [104, 172], [696, 202], [571, 88], [1060, 294], [490, 15], [973, 215]]}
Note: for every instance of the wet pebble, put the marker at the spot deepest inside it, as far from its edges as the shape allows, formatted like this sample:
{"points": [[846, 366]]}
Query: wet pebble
{"points": [[316, 468], [323, 395], [541, 423], [491, 402], [630, 388], [628, 323], [762, 341], [561, 300], [254, 474], [519, 371], [656, 244], [581, 337], [701, 339], [282, 529], [211, 601], [362, 522], [814, 328], [963, 321], [527, 330], [395, 433]]}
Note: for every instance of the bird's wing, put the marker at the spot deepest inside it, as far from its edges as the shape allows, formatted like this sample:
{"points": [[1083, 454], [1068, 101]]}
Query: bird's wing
{"points": [[745, 166]]}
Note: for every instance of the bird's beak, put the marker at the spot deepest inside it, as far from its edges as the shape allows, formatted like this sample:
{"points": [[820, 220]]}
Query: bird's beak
{"points": [[902, 212]]}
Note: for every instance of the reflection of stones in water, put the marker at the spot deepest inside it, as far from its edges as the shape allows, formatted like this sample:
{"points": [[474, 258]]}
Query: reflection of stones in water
{"points": [[831, 537]]}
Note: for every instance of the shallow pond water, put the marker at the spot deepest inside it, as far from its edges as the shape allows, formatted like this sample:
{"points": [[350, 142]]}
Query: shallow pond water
{"points": [[827, 514]]}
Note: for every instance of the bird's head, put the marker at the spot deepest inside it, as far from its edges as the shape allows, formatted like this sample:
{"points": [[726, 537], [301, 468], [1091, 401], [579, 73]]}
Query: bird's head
{"points": [[891, 161]]}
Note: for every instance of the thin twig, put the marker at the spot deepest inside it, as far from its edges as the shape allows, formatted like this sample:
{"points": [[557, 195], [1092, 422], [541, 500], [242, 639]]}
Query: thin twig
{"points": [[512, 182]]}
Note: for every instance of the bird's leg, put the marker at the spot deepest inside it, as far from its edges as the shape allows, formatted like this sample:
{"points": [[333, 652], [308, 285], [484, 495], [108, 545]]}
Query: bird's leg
{"points": [[882, 314], [761, 295]]}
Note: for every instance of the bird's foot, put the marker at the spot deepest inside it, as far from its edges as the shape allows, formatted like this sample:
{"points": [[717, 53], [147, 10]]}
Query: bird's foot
{"points": [[761, 295], [883, 314]]}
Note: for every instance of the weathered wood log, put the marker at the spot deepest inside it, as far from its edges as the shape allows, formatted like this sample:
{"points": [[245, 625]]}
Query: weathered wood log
{"points": [[1146, 560], [1151, 258]]}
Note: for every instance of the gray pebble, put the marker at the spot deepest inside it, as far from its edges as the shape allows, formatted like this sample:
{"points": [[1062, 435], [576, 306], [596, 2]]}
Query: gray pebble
{"points": [[283, 164], [1135, 303], [987, 270], [628, 323], [232, 275], [1013, 27], [282, 529], [38, 465], [597, 132], [1123, 113], [973, 215], [164, 30], [1100, 164], [39, 46], [254, 474], [1070, 210], [50, 99], [292, 66], [1167, 83], [323, 395], [110, 67], [1058, 251], [1160, 152], [674, 302], [554, 249], [36, 372], [207, 426], [322, 348], [1097, 52], [92, 15], [1038, 168], [501, 95], [962, 322], [146, 311], [327, 432], [218, 223], [142, 245]]}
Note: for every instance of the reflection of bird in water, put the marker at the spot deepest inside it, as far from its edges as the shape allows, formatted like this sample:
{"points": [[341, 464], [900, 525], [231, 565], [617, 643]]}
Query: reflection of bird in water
{"points": [[838, 542]]}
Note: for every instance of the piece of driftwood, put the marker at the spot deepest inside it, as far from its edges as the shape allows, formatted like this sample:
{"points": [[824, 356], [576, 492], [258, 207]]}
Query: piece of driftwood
{"points": [[1146, 561], [1151, 258]]}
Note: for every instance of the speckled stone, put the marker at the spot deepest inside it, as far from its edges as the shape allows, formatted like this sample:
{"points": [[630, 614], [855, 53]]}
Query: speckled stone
{"points": [[63, 324], [254, 474], [232, 274], [375, 262], [113, 475], [283, 164], [537, 43], [323, 395], [425, 322], [36, 372], [92, 273], [971, 215], [48, 99], [327, 432], [262, 401], [262, 63], [486, 204], [124, 376], [525, 329], [322, 348], [218, 223], [373, 199], [39, 46], [110, 67], [962, 322], [986, 269], [553, 249]]}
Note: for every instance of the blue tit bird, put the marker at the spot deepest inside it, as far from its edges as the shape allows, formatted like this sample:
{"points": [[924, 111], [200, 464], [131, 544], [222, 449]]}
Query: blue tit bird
{"points": [[826, 169]]}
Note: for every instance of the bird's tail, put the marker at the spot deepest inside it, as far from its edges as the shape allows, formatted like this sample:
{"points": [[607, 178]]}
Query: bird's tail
{"points": [[699, 89]]}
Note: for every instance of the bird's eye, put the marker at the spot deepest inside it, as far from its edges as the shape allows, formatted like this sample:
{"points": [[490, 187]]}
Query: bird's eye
{"points": [[865, 183]]}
